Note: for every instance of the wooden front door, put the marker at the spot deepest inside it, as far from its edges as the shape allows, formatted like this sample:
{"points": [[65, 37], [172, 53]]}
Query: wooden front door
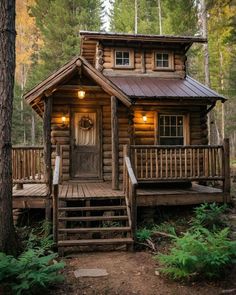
{"points": [[85, 144]]}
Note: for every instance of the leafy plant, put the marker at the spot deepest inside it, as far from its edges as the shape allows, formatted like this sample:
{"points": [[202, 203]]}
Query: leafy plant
{"points": [[209, 216], [165, 227], [30, 273], [199, 253], [143, 234]]}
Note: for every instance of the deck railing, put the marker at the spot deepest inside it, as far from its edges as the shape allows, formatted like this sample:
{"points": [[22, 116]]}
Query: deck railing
{"points": [[181, 163], [27, 164]]}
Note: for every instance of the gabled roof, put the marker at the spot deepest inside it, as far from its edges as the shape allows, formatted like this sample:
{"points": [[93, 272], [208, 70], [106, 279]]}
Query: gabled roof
{"points": [[154, 87], [50, 84]]}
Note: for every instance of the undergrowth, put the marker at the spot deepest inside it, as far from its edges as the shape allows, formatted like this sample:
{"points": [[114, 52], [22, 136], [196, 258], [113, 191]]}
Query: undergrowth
{"points": [[204, 250], [36, 269]]}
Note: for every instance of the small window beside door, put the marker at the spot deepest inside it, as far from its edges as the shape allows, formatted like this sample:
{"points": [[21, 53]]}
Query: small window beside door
{"points": [[171, 129]]}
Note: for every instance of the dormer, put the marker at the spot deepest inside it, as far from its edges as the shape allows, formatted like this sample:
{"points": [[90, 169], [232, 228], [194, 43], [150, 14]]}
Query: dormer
{"points": [[126, 54]]}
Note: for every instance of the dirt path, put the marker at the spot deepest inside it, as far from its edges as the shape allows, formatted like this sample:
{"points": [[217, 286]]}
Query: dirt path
{"points": [[128, 273]]}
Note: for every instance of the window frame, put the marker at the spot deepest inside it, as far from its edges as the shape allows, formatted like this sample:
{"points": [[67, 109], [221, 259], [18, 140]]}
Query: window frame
{"points": [[186, 126], [170, 60], [131, 58]]}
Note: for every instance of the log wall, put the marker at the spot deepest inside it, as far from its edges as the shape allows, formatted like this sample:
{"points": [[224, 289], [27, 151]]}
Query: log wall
{"points": [[132, 129], [144, 63]]}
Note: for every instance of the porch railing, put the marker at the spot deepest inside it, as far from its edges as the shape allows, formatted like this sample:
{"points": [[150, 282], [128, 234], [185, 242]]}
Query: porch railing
{"points": [[27, 164], [181, 163]]}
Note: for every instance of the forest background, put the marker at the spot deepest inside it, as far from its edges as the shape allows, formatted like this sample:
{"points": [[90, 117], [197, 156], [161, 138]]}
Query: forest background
{"points": [[48, 37]]}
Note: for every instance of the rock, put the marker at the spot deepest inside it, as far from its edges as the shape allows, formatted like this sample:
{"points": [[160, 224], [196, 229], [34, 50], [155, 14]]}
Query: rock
{"points": [[157, 273], [90, 272]]}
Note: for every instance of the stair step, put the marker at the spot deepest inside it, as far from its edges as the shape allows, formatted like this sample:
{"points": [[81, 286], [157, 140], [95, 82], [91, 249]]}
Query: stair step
{"points": [[93, 208], [94, 218], [94, 229], [95, 242]]}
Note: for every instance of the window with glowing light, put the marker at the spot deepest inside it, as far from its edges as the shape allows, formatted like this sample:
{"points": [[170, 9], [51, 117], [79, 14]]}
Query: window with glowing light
{"points": [[171, 129]]}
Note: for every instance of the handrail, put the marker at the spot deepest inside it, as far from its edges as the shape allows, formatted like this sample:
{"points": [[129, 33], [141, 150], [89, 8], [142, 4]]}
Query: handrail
{"points": [[55, 191], [27, 164], [129, 186]]}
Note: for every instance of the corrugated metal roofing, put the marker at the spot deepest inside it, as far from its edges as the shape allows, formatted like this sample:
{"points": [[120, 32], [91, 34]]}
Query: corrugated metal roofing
{"points": [[154, 87]]}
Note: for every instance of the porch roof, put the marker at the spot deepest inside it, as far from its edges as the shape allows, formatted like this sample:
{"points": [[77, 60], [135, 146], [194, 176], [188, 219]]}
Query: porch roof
{"points": [[63, 74], [154, 87]]}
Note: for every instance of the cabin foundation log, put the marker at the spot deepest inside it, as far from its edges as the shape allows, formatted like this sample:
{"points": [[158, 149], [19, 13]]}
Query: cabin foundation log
{"points": [[115, 144], [47, 152]]}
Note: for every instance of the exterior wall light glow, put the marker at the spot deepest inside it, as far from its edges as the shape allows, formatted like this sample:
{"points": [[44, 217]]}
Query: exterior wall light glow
{"points": [[81, 94], [63, 119], [144, 118]]}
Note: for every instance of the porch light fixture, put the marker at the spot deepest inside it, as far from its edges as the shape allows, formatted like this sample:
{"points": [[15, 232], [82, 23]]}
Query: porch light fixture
{"points": [[81, 94], [144, 118], [63, 120]]}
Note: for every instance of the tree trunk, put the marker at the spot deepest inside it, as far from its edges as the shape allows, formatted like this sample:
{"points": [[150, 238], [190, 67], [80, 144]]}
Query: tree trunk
{"points": [[212, 132], [136, 16], [159, 16], [8, 242], [32, 128]]}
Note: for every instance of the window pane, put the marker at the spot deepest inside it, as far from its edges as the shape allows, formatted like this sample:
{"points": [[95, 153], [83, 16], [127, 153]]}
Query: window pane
{"points": [[126, 61], [159, 63], [180, 131], [118, 61], [118, 54], [126, 54], [173, 131], [173, 120], [180, 120], [165, 64], [171, 141], [165, 56], [167, 120], [159, 56], [167, 131]]}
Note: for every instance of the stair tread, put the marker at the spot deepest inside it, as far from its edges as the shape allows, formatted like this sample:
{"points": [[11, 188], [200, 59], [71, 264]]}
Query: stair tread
{"points": [[95, 242], [94, 229], [92, 208], [94, 218]]}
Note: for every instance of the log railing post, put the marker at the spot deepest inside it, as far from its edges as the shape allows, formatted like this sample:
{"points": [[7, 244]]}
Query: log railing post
{"points": [[55, 184], [47, 151], [114, 143], [226, 165]]}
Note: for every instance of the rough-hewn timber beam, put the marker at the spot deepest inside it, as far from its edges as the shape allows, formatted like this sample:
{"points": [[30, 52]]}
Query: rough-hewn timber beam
{"points": [[47, 147], [115, 143]]}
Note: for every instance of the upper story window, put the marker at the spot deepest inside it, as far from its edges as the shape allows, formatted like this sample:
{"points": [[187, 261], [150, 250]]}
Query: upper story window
{"points": [[171, 129], [123, 58], [163, 60]]}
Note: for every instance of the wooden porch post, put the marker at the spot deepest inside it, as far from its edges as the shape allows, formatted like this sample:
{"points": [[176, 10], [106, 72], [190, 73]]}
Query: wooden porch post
{"points": [[226, 155], [47, 152], [114, 143]]}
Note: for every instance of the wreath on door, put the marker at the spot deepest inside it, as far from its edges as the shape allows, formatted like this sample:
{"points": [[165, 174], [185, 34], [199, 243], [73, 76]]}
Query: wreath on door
{"points": [[85, 123]]}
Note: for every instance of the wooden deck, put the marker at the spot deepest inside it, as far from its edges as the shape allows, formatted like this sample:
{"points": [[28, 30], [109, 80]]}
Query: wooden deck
{"points": [[35, 195]]}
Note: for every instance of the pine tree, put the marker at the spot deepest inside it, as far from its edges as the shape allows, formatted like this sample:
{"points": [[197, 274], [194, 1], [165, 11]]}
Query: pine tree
{"points": [[59, 22]]}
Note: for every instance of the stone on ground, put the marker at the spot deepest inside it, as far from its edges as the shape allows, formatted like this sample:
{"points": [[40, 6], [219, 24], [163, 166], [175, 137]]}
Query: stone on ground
{"points": [[90, 272]]}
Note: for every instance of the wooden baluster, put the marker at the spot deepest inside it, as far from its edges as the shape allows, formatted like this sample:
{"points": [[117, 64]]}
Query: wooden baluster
{"points": [[180, 162], [171, 167], [151, 172], [161, 164], [157, 172], [176, 175], [166, 157], [141, 162], [185, 163], [146, 157], [198, 163]]}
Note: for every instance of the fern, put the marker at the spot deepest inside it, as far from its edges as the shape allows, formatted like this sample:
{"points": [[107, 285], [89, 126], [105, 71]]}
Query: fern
{"points": [[199, 253]]}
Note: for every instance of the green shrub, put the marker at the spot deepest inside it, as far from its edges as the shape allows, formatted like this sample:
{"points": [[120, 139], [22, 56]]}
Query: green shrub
{"points": [[30, 273], [209, 216], [165, 227], [199, 253], [143, 234]]}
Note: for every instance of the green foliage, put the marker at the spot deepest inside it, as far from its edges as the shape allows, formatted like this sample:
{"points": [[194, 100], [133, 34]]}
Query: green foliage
{"points": [[36, 268], [143, 234], [200, 253], [30, 273], [209, 216]]}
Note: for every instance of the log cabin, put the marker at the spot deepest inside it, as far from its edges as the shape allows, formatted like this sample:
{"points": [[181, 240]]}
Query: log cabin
{"points": [[124, 126]]}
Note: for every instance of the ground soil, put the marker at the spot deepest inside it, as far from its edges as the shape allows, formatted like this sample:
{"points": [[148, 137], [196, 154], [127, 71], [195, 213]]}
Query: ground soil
{"points": [[131, 273]]}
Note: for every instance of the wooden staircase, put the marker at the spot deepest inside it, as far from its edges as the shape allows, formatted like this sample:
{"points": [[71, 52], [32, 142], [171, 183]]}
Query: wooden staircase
{"points": [[94, 224]]}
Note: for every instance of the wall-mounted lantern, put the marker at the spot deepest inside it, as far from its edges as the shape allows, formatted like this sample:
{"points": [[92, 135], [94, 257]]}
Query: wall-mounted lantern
{"points": [[144, 118], [81, 94]]}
